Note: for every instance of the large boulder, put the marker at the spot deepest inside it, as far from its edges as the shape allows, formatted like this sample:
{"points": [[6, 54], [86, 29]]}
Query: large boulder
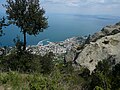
{"points": [[104, 45]]}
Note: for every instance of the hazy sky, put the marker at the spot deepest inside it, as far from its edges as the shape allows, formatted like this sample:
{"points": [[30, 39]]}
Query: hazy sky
{"points": [[107, 7], [110, 7]]}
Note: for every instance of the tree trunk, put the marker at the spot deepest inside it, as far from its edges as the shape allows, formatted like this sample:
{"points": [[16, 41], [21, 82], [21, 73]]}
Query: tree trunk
{"points": [[24, 45]]}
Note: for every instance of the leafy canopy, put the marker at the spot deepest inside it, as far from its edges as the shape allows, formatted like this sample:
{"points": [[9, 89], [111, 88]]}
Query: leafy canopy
{"points": [[27, 15]]}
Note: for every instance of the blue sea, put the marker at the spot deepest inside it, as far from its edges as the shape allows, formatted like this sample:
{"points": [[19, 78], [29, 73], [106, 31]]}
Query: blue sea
{"points": [[61, 27]]}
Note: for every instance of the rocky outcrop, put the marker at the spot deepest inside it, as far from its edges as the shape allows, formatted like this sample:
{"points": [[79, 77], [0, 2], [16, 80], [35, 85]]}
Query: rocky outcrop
{"points": [[102, 45], [106, 31]]}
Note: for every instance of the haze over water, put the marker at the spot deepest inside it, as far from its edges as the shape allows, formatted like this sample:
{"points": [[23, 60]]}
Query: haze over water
{"points": [[68, 18], [62, 27]]}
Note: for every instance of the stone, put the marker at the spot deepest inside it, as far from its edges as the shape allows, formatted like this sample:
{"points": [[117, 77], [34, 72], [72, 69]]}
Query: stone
{"points": [[106, 31], [103, 44]]}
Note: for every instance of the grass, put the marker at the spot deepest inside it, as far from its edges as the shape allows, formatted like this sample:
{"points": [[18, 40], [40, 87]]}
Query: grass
{"points": [[37, 81], [18, 81]]}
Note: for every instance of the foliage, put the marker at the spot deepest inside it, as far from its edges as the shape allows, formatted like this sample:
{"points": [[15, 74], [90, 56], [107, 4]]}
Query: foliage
{"points": [[99, 79], [2, 24], [104, 66], [27, 15], [98, 88], [106, 76], [87, 41], [47, 64], [35, 72], [26, 62], [116, 77], [13, 81], [36, 81], [18, 44]]}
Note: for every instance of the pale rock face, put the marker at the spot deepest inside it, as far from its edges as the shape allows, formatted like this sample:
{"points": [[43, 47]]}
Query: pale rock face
{"points": [[100, 50], [106, 31]]}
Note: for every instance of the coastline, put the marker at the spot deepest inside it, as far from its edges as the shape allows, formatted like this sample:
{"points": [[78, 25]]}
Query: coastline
{"points": [[60, 47]]}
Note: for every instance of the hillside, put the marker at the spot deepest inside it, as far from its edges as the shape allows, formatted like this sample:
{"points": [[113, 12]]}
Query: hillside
{"points": [[103, 45], [53, 66]]}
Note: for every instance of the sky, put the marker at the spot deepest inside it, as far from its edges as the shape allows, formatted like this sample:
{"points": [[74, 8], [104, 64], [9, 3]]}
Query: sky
{"points": [[89, 7], [93, 7]]}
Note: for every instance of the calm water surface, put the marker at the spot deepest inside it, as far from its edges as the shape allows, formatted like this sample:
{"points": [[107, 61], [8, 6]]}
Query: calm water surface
{"points": [[61, 27]]}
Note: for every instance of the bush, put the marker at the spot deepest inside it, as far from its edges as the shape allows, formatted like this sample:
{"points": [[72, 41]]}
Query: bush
{"points": [[17, 81], [13, 81], [98, 88], [26, 63], [47, 63], [116, 77]]}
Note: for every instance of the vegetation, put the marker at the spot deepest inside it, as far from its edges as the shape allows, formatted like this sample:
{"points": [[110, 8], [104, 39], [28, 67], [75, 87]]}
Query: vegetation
{"points": [[2, 24], [44, 77], [21, 70], [27, 15], [25, 62], [104, 76], [32, 72]]}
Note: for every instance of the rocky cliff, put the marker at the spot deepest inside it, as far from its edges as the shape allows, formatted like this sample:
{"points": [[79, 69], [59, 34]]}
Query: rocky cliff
{"points": [[103, 45]]}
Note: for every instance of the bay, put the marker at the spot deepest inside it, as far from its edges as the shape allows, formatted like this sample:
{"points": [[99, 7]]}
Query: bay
{"points": [[61, 27]]}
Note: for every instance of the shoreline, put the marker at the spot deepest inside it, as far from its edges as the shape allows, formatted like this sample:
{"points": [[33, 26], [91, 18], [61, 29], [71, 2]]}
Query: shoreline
{"points": [[60, 47]]}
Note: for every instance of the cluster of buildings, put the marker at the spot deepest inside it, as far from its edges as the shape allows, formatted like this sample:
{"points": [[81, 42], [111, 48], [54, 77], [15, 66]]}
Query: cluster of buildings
{"points": [[55, 47]]}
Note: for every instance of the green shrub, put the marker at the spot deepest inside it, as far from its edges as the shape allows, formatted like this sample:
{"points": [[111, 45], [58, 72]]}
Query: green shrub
{"points": [[98, 88], [26, 63], [17, 81], [13, 81], [47, 64]]}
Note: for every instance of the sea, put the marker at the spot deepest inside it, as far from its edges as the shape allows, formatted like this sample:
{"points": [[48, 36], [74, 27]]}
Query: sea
{"points": [[61, 27]]}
